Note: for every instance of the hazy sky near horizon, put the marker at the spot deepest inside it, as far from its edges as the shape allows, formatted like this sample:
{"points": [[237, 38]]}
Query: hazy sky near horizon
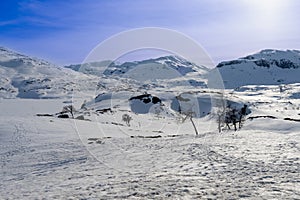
{"points": [[65, 32]]}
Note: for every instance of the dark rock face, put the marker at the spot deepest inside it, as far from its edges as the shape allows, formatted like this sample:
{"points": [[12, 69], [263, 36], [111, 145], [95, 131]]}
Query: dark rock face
{"points": [[146, 98], [233, 62], [282, 63], [287, 64], [63, 116], [142, 103], [262, 63], [104, 110]]}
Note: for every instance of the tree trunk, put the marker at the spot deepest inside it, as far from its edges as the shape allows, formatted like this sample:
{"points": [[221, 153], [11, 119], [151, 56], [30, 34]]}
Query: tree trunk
{"points": [[194, 125], [219, 123]]}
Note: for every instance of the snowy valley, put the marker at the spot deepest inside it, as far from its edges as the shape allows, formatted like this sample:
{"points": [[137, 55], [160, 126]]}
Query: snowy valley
{"points": [[150, 129]]}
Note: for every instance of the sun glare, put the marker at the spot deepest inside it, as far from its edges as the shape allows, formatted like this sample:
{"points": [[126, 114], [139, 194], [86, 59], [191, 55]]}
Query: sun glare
{"points": [[267, 14], [267, 7]]}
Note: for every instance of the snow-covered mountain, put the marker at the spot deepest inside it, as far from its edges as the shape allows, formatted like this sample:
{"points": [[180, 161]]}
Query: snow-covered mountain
{"points": [[165, 77], [26, 77], [170, 78], [168, 66], [135, 138], [93, 68], [172, 65], [267, 67]]}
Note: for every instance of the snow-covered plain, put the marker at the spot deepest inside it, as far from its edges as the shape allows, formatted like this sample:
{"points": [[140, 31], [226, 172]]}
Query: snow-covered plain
{"points": [[158, 156], [44, 157]]}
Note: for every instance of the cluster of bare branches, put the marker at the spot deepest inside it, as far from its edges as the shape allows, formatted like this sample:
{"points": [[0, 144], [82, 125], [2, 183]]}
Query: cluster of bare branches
{"points": [[228, 115], [69, 109]]}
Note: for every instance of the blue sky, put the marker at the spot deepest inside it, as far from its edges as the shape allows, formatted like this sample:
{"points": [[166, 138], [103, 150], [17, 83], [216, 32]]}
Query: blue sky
{"points": [[66, 31]]}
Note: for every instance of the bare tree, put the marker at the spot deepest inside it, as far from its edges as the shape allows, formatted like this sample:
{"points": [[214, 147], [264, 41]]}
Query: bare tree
{"points": [[191, 118], [69, 109], [126, 118], [220, 111], [189, 115], [234, 116], [227, 114], [242, 114]]}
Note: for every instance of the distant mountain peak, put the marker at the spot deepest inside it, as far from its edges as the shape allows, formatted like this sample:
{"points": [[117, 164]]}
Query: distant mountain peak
{"points": [[269, 67], [11, 58], [171, 62], [26, 77], [269, 58]]}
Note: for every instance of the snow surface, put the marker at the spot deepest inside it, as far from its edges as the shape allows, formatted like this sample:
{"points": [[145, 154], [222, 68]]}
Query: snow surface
{"points": [[157, 155], [44, 157]]}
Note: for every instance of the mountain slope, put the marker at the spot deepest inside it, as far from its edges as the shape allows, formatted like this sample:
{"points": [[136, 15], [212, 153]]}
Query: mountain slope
{"points": [[267, 67], [25, 77], [173, 65]]}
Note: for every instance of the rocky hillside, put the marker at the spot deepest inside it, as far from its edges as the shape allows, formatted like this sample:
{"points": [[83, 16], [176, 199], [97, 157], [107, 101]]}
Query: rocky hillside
{"points": [[26, 77], [267, 67]]}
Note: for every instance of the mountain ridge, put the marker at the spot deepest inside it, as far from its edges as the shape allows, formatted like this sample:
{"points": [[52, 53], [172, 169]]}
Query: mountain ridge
{"points": [[112, 68], [27, 77], [267, 67]]}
